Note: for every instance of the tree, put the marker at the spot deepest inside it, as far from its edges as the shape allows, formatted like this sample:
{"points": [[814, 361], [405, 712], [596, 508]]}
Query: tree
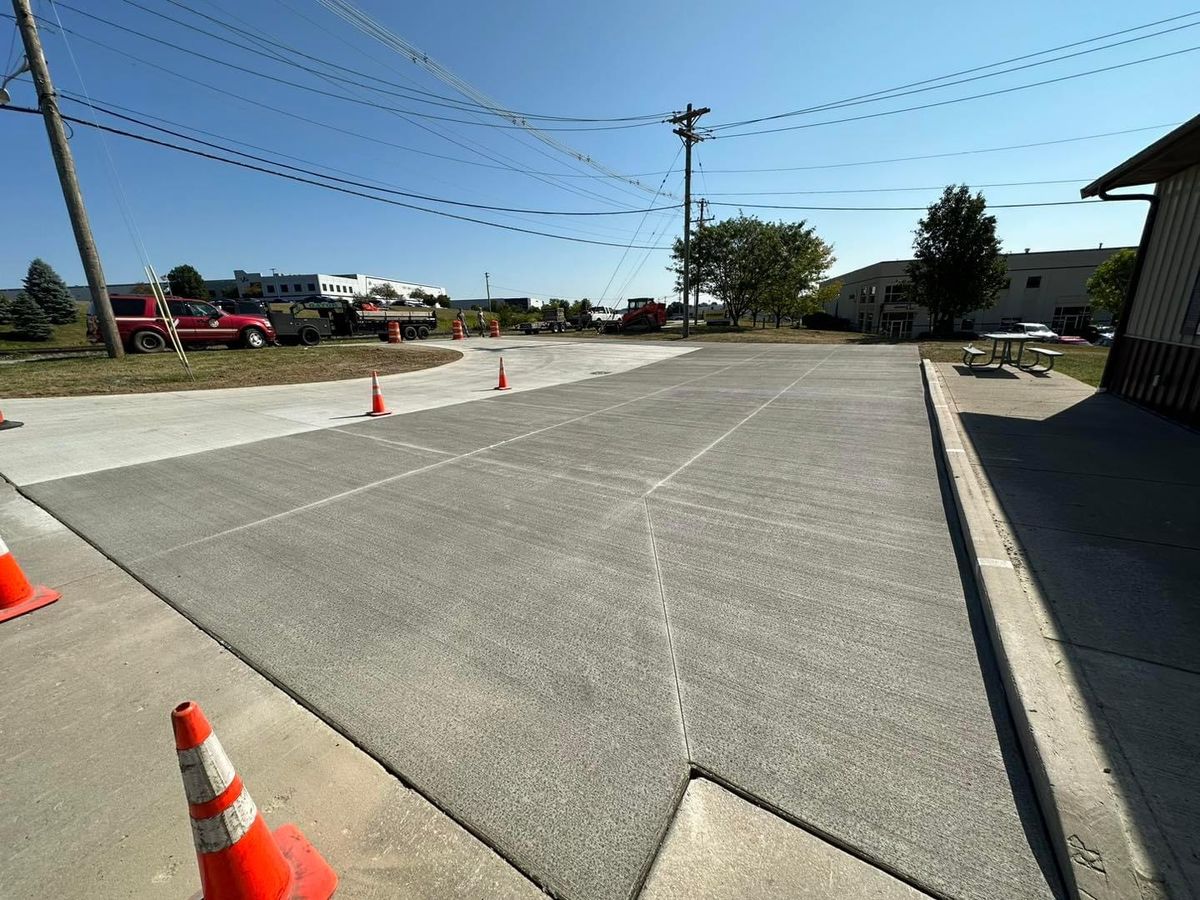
{"points": [[424, 296], [29, 320], [384, 292], [815, 300], [185, 281], [48, 291], [799, 259], [958, 266], [1110, 281], [5, 309], [442, 300], [675, 308], [751, 265]]}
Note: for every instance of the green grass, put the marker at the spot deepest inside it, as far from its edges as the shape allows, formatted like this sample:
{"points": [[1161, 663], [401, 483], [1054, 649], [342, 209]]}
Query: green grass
{"points": [[138, 374], [1083, 363], [72, 335]]}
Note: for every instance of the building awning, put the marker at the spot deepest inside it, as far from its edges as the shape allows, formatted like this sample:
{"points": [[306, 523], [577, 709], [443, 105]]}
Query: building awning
{"points": [[1167, 156]]}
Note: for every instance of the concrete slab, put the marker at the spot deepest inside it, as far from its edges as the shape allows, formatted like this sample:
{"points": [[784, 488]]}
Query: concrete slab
{"points": [[720, 847], [498, 635], [92, 799], [88, 434]]}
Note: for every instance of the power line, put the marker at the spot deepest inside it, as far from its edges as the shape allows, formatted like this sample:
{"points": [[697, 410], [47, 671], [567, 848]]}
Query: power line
{"points": [[892, 190], [629, 246], [364, 23], [95, 105], [230, 65], [410, 92], [330, 187], [995, 93], [890, 93], [498, 160], [901, 208]]}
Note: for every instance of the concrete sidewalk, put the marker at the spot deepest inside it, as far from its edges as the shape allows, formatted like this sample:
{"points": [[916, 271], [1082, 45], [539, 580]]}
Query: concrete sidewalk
{"points": [[93, 803], [1102, 503]]}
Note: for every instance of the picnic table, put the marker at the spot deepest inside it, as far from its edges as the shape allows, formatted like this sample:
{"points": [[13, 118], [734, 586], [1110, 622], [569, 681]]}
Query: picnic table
{"points": [[1002, 346]]}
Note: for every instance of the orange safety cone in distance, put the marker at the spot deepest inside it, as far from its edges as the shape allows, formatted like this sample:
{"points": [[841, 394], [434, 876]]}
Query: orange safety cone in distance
{"points": [[494, 328], [239, 858], [377, 407], [503, 385], [456, 331], [17, 595], [8, 423], [394, 336]]}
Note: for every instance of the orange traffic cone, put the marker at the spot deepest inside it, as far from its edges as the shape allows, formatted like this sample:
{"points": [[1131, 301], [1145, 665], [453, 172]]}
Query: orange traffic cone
{"points": [[17, 595], [456, 331], [503, 385], [377, 407], [494, 328], [8, 423], [239, 858]]}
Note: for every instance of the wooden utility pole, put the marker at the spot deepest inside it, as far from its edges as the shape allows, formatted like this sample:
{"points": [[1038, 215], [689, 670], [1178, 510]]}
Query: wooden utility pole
{"points": [[487, 283], [48, 103], [696, 287], [686, 122]]}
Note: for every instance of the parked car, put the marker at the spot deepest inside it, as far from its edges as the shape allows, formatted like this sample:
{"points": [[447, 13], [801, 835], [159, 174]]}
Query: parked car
{"points": [[142, 330], [242, 307], [600, 316], [1104, 336], [1037, 331]]}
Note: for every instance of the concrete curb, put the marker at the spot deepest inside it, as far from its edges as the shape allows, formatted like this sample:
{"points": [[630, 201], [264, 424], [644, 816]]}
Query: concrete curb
{"points": [[1097, 853]]}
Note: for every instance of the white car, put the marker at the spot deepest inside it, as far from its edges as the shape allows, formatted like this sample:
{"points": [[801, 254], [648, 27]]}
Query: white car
{"points": [[1037, 331], [601, 315]]}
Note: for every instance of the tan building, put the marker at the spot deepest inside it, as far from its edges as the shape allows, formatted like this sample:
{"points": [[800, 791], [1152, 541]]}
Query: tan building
{"points": [[1044, 286], [1155, 360]]}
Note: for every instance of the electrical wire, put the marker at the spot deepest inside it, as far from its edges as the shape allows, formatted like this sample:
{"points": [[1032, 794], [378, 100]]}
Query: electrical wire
{"points": [[342, 190], [98, 107], [410, 92], [344, 97], [901, 90], [995, 93], [538, 176], [625, 253], [892, 190], [900, 208]]}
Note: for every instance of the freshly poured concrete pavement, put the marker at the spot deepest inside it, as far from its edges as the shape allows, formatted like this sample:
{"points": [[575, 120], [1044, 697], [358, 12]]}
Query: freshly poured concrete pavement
{"points": [[542, 609]]}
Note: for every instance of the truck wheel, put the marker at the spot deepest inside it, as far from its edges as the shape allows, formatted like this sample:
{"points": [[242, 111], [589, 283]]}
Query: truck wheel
{"points": [[410, 333], [309, 336], [148, 342], [253, 339], [423, 332]]}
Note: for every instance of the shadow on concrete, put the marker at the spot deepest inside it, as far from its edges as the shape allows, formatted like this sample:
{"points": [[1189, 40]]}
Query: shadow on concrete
{"points": [[1103, 499], [984, 372]]}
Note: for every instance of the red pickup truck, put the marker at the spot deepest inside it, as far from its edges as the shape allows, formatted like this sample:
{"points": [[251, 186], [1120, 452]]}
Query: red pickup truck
{"points": [[142, 330]]}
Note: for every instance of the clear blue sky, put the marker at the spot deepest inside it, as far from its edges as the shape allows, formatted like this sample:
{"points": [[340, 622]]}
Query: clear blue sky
{"points": [[619, 58]]}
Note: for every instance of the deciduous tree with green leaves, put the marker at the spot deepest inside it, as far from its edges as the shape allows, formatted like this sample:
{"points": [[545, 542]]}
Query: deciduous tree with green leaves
{"points": [[186, 282], [958, 266], [1108, 284], [45, 288], [385, 292], [29, 321]]}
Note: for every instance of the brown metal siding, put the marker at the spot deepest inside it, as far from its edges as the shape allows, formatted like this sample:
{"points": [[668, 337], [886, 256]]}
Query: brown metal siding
{"points": [[1172, 264], [1177, 368]]}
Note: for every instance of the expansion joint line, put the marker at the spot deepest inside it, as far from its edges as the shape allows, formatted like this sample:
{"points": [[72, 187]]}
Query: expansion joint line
{"points": [[662, 593]]}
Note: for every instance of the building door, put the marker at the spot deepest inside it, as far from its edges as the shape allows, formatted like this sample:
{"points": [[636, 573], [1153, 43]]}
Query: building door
{"points": [[1071, 319]]}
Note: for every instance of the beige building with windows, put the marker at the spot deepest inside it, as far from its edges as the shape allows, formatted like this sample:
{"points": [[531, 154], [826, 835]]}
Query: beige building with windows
{"points": [[1155, 358], [1048, 286]]}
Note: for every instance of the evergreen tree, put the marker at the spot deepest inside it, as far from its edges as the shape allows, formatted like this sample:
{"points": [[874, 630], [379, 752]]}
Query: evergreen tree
{"points": [[29, 321], [47, 290], [5, 309]]}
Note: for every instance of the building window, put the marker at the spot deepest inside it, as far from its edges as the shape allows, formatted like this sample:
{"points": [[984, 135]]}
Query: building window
{"points": [[296, 288], [967, 325], [283, 288], [1033, 281], [311, 286], [1071, 319], [270, 288], [895, 293]]}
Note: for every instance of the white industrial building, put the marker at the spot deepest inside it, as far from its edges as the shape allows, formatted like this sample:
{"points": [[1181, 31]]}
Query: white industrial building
{"points": [[280, 286], [1044, 286]]}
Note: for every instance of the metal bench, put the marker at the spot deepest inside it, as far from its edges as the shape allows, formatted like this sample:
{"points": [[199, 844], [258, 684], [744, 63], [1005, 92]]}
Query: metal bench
{"points": [[1043, 360], [970, 354]]}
